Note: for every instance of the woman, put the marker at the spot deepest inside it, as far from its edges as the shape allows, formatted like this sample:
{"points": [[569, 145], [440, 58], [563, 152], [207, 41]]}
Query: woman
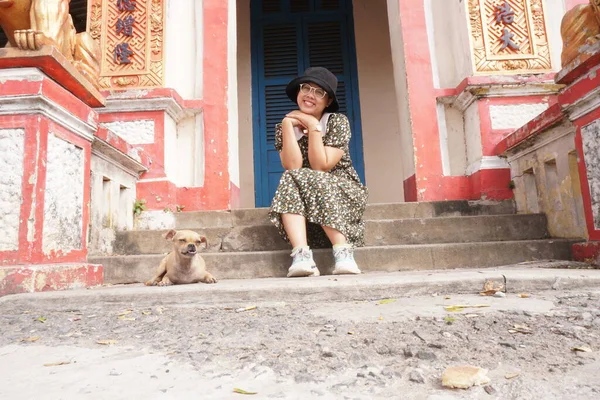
{"points": [[320, 192]]}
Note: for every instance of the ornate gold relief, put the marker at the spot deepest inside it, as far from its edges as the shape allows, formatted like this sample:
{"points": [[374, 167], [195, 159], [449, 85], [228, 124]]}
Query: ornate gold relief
{"points": [[131, 36], [509, 36]]}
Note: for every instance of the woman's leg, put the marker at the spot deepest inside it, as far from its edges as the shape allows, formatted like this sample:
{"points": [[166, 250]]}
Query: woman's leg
{"points": [[295, 228], [335, 237]]}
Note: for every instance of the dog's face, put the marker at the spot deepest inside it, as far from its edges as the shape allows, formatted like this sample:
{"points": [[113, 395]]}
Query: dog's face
{"points": [[186, 243]]}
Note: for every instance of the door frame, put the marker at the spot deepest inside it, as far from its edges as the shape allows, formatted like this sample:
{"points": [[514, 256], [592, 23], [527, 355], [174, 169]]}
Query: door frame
{"points": [[259, 140]]}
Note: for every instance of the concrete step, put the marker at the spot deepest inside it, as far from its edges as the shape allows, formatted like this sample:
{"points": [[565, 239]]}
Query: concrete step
{"points": [[377, 233], [367, 287], [259, 216], [246, 265]]}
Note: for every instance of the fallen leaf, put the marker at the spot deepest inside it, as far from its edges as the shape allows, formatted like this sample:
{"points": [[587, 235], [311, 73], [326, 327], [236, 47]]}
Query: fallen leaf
{"points": [[30, 339], [461, 307], [350, 333], [42, 320], [511, 375], [122, 313], [584, 349], [146, 312], [447, 297], [246, 309], [387, 301], [380, 318], [56, 364], [106, 342], [520, 329], [241, 391], [450, 320], [524, 295]]}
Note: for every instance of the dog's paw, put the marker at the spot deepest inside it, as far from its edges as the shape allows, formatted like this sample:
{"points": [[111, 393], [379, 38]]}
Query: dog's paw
{"points": [[150, 283], [165, 282], [208, 278]]}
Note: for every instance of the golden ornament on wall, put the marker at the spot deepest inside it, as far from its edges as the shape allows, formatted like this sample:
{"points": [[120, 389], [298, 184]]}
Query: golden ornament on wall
{"points": [[509, 36], [131, 36]]}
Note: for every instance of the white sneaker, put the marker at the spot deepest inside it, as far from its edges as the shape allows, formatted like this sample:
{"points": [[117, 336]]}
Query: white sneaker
{"points": [[344, 261], [303, 263]]}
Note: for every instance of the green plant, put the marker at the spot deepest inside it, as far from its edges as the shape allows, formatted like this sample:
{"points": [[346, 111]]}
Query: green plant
{"points": [[511, 185], [139, 206], [180, 208]]}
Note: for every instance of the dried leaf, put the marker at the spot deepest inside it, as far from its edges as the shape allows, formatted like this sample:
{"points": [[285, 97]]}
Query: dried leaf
{"points": [[41, 319], [524, 295], [74, 319], [461, 307], [241, 391], [520, 329], [106, 342], [447, 297], [146, 312], [57, 364], [380, 318], [449, 320], [30, 339], [350, 333], [122, 313], [387, 301], [511, 375], [246, 309], [583, 349]]}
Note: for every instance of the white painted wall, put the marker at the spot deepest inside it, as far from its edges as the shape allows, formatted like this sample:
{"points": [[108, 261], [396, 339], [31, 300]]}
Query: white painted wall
{"points": [[473, 134], [379, 112], [406, 153], [12, 148], [183, 47], [448, 41], [244, 93]]}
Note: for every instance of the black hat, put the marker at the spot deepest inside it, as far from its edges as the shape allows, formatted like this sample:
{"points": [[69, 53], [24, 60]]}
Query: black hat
{"points": [[320, 76]]}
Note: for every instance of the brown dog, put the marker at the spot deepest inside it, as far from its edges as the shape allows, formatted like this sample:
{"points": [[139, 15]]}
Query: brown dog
{"points": [[183, 264]]}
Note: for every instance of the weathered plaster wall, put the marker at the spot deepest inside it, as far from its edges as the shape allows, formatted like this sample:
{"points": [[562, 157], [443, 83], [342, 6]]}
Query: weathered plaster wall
{"points": [[113, 195], [379, 113], [513, 116], [473, 134], [12, 147], [63, 197], [590, 135], [134, 132], [547, 181]]}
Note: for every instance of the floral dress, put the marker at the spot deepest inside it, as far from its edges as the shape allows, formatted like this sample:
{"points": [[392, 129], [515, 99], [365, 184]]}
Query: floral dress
{"points": [[336, 198]]}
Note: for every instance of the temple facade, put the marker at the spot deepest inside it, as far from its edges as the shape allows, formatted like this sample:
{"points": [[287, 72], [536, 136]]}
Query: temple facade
{"points": [[141, 109]]}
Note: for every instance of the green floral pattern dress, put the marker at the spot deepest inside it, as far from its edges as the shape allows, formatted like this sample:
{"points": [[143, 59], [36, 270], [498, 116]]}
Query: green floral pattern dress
{"points": [[336, 198]]}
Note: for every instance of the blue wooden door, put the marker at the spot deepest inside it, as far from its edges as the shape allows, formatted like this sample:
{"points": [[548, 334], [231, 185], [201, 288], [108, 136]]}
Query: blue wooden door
{"points": [[289, 36]]}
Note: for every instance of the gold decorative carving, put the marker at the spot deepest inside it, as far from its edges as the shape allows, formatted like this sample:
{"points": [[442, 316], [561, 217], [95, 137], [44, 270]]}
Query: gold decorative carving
{"points": [[580, 26], [31, 24], [509, 36], [144, 42]]}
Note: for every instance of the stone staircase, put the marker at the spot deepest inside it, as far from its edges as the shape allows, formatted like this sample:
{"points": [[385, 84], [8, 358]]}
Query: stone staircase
{"points": [[402, 236]]}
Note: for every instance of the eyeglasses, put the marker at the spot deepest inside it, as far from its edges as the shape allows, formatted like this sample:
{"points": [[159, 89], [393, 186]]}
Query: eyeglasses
{"points": [[306, 89]]}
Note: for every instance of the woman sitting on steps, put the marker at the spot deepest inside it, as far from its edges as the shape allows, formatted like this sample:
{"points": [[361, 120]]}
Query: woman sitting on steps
{"points": [[319, 192]]}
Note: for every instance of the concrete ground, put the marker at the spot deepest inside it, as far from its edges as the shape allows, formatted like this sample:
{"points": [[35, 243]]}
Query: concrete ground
{"points": [[376, 336]]}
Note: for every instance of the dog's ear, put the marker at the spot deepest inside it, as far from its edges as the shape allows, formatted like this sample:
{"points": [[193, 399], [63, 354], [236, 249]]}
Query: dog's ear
{"points": [[203, 239], [171, 234]]}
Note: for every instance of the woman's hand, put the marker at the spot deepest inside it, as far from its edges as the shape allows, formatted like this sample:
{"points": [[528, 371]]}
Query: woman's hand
{"points": [[307, 121], [293, 121]]}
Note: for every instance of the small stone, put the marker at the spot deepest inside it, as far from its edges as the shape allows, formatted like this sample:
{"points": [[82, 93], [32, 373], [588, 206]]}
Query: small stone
{"points": [[426, 355], [408, 352], [587, 316], [327, 353], [435, 345], [446, 334], [416, 375], [499, 294], [361, 375], [114, 373], [527, 314], [383, 350], [489, 389]]}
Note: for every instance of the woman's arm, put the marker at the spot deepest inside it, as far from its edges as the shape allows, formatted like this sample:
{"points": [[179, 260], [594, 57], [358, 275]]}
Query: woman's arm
{"points": [[321, 157], [290, 155]]}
